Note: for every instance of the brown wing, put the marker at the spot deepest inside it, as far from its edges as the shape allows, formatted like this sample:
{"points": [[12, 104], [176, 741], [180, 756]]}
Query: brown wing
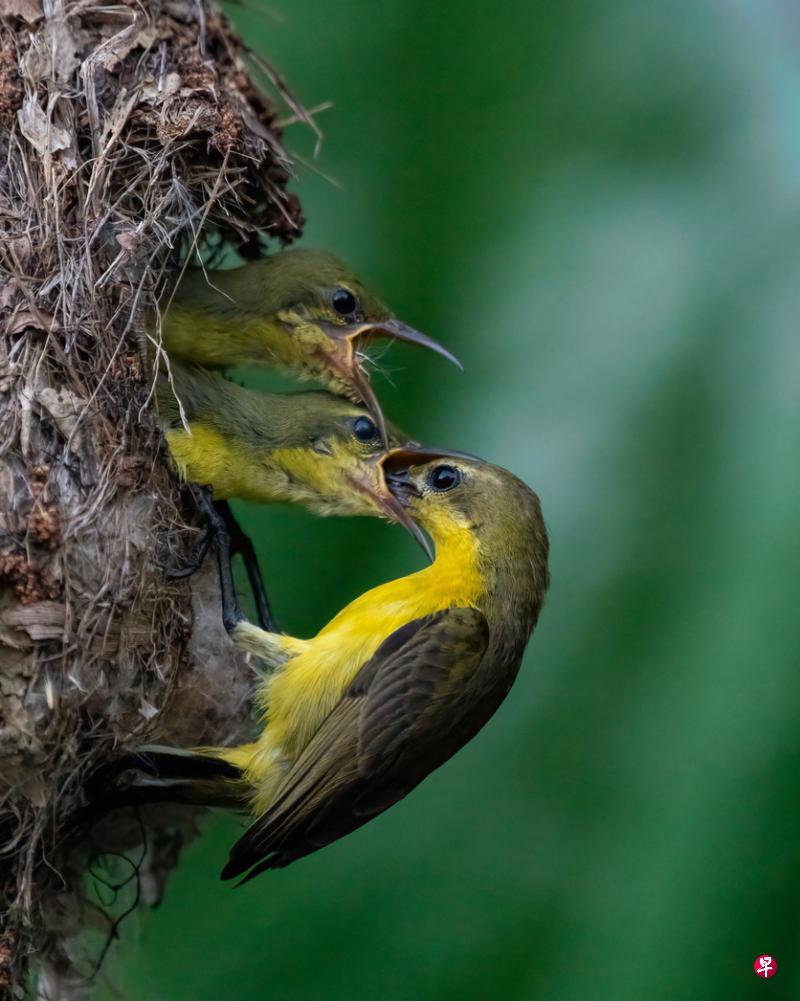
{"points": [[393, 726]]}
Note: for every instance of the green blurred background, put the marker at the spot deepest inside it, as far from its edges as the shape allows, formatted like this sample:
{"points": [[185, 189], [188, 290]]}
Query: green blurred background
{"points": [[597, 205]]}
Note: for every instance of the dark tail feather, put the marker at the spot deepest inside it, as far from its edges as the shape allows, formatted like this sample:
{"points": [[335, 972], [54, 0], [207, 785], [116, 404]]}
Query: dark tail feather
{"points": [[161, 762], [158, 774], [199, 792], [176, 763]]}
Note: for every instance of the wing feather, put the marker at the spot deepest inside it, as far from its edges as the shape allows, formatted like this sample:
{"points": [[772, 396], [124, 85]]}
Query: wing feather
{"points": [[377, 744]]}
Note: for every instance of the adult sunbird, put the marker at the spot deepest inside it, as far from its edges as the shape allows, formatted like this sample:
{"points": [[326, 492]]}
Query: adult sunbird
{"points": [[301, 311], [314, 449], [396, 683]]}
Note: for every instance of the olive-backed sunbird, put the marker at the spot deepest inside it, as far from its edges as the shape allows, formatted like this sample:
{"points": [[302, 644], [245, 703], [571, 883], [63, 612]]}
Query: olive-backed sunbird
{"points": [[301, 311], [393, 685]]}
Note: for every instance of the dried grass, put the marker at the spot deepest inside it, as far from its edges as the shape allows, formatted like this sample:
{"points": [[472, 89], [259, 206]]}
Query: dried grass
{"points": [[129, 132]]}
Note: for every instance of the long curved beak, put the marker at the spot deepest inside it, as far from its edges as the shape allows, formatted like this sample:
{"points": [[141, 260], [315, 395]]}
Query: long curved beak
{"points": [[396, 512], [349, 367], [398, 331], [404, 457]]}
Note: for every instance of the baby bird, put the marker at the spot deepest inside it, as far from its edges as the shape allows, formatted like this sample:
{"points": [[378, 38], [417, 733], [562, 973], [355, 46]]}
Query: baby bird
{"points": [[301, 311]]}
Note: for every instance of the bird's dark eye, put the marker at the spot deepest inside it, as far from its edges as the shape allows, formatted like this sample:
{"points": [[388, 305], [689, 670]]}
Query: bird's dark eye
{"points": [[364, 429], [344, 302], [443, 478]]}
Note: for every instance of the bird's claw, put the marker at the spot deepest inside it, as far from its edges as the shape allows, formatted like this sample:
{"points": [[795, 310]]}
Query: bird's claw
{"points": [[193, 561], [224, 532]]}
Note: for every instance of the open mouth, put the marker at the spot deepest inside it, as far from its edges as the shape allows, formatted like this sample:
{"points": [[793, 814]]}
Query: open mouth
{"points": [[390, 505], [353, 376], [401, 486], [351, 371], [397, 331]]}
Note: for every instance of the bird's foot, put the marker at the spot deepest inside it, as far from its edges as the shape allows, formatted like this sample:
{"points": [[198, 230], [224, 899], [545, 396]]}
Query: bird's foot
{"points": [[242, 544]]}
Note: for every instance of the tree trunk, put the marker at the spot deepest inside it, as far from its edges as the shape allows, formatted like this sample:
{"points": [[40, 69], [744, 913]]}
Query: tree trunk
{"points": [[127, 130]]}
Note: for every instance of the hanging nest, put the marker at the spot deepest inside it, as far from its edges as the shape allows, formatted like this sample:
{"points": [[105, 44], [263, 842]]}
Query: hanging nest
{"points": [[132, 137]]}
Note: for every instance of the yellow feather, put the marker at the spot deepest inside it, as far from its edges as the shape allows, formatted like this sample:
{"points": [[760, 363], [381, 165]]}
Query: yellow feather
{"points": [[207, 457], [301, 693], [204, 456], [235, 468]]}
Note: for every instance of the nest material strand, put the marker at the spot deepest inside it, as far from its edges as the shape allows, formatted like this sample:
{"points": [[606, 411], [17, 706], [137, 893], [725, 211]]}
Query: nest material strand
{"points": [[128, 131]]}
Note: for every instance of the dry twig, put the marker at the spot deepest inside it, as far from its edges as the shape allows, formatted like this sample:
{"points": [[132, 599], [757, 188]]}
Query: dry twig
{"points": [[128, 131]]}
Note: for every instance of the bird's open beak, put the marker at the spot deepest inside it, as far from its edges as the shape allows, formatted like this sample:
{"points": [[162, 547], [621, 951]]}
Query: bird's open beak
{"points": [[397, 488], [349, 367], [398, 331], [374, 485]]}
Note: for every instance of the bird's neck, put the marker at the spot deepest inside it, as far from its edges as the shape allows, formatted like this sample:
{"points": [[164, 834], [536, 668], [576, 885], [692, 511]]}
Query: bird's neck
{"points": [[207, 455], [501, 577], [220, 336], [451, 580], [454, 578]]}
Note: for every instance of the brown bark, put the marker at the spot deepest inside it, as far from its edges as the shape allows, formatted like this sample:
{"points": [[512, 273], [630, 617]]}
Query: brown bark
{"points": [[125, 131]]}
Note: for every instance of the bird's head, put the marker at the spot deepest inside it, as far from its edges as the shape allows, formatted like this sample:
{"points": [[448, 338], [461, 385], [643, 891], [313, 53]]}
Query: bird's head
{"points": [[330, 461], [447, 494], [332, 318]]}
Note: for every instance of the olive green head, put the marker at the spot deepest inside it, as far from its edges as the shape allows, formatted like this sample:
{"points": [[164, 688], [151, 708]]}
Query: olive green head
{"points": [[314, 448], [459, 499], [303, 283], [303, 311]]}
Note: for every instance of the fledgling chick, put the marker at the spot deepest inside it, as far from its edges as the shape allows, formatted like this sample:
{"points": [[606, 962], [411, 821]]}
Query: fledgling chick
{"points": [[313, 449], [301, 311]]}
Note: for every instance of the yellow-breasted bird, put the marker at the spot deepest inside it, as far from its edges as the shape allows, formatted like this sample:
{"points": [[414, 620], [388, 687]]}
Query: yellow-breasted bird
{"points": [[301, 311], [395, 684], [311, 448]]}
